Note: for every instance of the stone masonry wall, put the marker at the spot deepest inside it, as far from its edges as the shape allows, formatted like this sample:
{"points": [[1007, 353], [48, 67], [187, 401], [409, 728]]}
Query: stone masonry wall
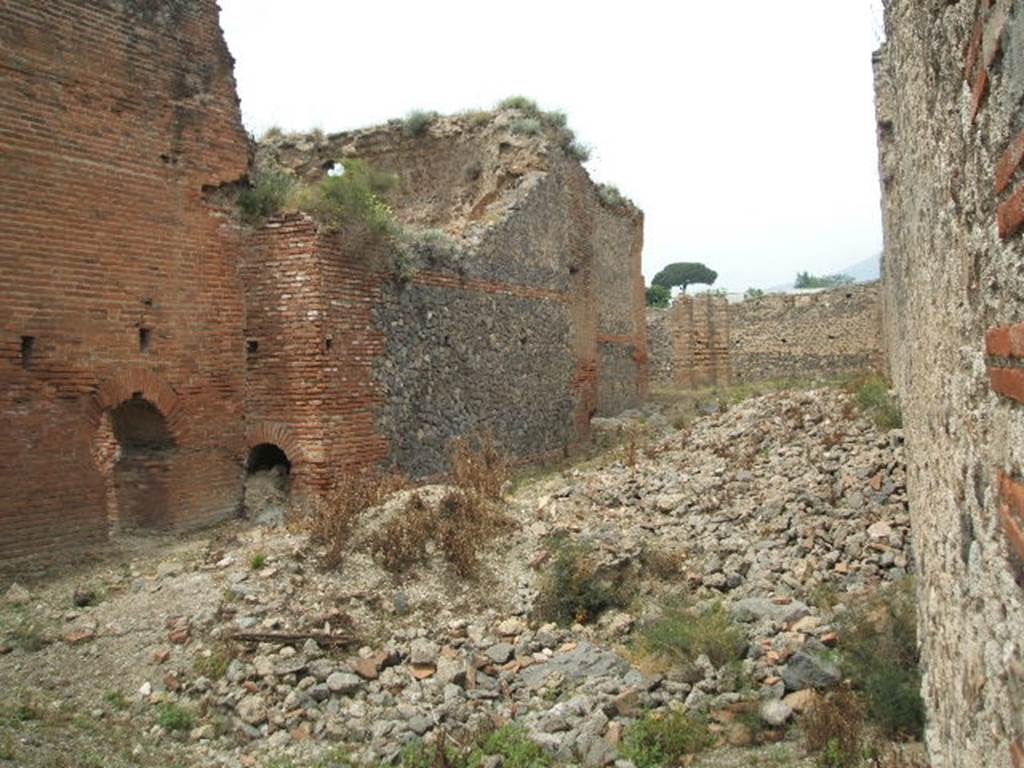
{"points": [[524, 320], [117, 281], [691, 347], [704, 340], [950, 84], [825, 334]]}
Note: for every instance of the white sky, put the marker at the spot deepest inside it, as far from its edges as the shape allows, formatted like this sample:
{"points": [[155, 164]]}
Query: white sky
{"points": [[744, 129]]}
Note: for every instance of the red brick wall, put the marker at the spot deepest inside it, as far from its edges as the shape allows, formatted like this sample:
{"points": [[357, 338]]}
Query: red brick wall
{"points": [[113, 118], [701, 329], [309, 379]]}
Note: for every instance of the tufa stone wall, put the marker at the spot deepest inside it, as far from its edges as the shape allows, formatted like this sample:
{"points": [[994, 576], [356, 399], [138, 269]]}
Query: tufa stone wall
{"points": [[950, 83], [706, 341], [120, 308]]}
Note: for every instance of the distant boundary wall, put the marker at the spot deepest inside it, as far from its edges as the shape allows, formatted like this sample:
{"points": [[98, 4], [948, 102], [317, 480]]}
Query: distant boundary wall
{"points": [[705, 341]]}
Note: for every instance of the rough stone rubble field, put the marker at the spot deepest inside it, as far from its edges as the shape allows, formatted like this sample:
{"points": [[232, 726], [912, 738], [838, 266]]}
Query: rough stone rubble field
{"points": [[777, 506]]}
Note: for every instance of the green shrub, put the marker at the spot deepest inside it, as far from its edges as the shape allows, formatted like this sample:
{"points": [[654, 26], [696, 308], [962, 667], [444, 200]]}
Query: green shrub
{"points": [[116, 700], [331, 517], [536, 121], [335, 758], [258, 561], [270, 190], [354, 196], [11, 714], [462, 523], [477, 117], [556, 119], [526, 126], [29, 637], [213, 666], [521, 103], [440, 754], [417, 122], [752, 294], [873, 398], [574, 590], [878, 648], [682, 633], [514, 746], [609, 194], [658, 296], [658, 740], [577, 150], [174, 717]]}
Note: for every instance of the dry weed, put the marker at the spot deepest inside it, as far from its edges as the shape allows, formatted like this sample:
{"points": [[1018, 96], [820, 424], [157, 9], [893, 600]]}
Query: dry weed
{"points": [[331, 517], [834, 729], [460, 526], [478, 466]]}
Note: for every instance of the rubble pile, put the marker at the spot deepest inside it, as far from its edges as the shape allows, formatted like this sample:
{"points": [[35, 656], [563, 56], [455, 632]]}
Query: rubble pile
{"points": [[774, 509]]}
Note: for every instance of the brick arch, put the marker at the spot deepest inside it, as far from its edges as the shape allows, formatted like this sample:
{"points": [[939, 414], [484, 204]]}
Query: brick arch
{"points": [[275, 433], [127, 384]]}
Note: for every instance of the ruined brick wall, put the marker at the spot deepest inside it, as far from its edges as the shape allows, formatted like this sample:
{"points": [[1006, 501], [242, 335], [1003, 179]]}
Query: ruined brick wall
{"points": [[117, 281], [523, 320], [825, 334], [702, 345], [311, 347], [691, 346], [704, 340], [950, 86]]}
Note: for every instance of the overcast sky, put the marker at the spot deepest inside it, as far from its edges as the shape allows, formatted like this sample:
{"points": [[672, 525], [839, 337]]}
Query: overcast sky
{"points": [[743, 129]]}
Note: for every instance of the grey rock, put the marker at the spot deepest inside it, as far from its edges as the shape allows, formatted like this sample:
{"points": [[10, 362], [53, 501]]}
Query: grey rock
{"points": [[420, 724], [320, 692], [290, 666], [236, 671], [759, 608], [805, 670], [17, 595], [596, 752], [500, 653], [423, 651], [344, 682], [583, 661], [321, 669], [252, 710]]}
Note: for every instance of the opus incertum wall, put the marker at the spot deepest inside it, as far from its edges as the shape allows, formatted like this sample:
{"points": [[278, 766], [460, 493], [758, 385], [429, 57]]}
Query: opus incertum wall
{"points": [[950, 83], [706, 341]]}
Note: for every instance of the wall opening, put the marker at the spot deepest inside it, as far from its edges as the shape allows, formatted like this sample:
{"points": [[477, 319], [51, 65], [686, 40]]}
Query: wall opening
{"points": [[144, 336], [267, 495], [28, 346], [138, 444]]}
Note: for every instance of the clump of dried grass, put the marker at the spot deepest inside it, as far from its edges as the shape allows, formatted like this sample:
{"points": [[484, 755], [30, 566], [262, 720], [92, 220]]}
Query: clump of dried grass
{"points": [[461, 525], [331, 517], [477, 466], [834, 730]]}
